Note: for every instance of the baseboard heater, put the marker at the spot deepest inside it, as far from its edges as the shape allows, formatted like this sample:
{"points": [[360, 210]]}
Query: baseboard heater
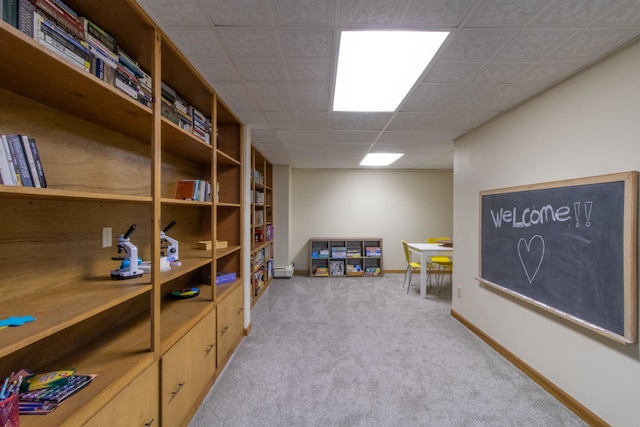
{"points": [[283, 272]]}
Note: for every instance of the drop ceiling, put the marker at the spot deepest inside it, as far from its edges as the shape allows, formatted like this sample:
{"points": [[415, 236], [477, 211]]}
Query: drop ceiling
{"points": [[274, 62]]}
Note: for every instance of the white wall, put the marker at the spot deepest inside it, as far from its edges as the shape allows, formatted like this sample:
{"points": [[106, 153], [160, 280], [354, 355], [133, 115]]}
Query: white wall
{"points": [[282, 215], [361, 203], [588, 125]]}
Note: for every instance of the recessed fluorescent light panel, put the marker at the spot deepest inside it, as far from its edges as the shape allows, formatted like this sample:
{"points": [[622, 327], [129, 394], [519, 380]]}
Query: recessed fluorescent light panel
{"points": [[380, 159], [376, 69]]}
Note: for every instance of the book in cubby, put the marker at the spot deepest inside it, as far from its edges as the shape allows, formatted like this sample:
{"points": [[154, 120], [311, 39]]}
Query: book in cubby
{"points": [[193, 189], [336, 268]]}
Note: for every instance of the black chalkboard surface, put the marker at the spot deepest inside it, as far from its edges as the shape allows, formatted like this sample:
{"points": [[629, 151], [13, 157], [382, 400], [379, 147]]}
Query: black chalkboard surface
{"points": [[568, 247]]}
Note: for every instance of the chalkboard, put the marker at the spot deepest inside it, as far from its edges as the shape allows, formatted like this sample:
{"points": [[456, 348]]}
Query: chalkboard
{"points": [[568, 247]]}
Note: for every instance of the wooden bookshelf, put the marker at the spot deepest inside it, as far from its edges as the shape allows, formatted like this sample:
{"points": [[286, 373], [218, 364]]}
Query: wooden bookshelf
{"points": [[111, 161], [262, 228]]}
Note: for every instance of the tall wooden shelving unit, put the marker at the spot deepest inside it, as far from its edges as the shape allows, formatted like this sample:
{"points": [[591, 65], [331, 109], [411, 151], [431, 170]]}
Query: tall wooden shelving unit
{"points": [[112, 162], [261, 224]]}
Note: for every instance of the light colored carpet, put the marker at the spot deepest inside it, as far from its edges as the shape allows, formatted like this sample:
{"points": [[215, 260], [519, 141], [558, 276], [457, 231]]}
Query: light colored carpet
{"points": [[360, 352]]}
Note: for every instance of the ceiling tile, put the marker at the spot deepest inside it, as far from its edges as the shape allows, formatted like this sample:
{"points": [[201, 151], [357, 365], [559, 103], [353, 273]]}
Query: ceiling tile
{"points": [[532, 45], [196, 41], [261, 71], [373, 12], [426, 95], [236, 12], [307, 44], [475, 45], [592, 44], [180, 12], [247, 43], [451, 72], [506, 13], [437, 13], [574, 12], [309, 70], [305, 12]]}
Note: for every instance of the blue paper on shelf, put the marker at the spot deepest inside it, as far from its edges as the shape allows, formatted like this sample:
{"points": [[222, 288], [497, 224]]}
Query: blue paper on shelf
{"points": [[222, 278]]}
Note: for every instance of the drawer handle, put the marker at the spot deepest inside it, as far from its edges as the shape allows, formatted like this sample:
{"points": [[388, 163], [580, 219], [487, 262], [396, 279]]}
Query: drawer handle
{"points": [[149, 423], [240, 310], [208, 350], [224, 330], [174, 393]]}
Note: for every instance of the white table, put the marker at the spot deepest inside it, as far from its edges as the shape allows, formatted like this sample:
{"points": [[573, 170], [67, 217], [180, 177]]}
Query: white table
{"points": [[426, 251]]}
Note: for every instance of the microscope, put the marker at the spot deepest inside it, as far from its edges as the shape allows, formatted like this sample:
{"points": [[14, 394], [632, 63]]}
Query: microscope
{"points": [[168, 246], [129, 265]]}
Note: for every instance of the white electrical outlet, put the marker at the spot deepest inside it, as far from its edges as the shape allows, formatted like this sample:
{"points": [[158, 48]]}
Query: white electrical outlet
{"points": [[459, 290], [106, 237]]}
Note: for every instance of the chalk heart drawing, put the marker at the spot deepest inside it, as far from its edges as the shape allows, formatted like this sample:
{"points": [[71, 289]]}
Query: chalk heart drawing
{"points": [[531, 254]]}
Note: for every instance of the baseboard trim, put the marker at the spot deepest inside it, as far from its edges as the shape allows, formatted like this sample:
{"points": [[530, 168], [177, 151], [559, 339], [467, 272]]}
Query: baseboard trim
{"points": [[564, 398]]}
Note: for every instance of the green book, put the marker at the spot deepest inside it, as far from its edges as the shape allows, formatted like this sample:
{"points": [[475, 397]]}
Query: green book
{"points": [[10, 12]]}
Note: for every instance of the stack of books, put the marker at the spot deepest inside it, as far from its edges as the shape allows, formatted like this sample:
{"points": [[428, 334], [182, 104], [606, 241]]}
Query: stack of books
{"points": [[186, 116], [20, 163], [373, 251], [81, 42], [202, 126]]}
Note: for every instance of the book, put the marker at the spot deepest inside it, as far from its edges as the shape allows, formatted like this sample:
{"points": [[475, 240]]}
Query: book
{"points": [[25, 17], [38, 161], [28, 154], [92, 30], [12, 179], [10, 12], [20, 160], [186, 189], [5, 172]]}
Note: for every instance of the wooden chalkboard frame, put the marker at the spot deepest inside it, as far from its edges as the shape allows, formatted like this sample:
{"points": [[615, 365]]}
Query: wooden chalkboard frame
{"points": [[628, 265]]}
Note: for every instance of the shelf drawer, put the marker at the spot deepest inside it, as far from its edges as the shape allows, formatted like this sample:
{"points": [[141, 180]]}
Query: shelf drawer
{"points": [[136, 405], [186, 369], [230, 324]]}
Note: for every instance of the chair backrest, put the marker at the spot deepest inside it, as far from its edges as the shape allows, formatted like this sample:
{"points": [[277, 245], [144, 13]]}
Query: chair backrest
{"points": [[437, 239], [407, 255]]}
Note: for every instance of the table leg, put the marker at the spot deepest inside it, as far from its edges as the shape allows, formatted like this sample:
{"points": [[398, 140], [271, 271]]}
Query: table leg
{"points": [[423, 275]]}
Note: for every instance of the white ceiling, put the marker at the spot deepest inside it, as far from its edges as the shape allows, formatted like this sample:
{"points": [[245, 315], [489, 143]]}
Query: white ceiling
{"points": [[274, 61]]}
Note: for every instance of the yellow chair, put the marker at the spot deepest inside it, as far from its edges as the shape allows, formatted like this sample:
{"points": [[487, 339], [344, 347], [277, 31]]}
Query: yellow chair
{"points": [[439, 265], [411, 265]]}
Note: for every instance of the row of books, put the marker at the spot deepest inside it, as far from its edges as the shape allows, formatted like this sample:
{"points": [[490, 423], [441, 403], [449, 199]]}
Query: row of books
{"points": [[261, 276], [20, 162], [258, 177], [194, 189], [81, 42], [177, 110]]}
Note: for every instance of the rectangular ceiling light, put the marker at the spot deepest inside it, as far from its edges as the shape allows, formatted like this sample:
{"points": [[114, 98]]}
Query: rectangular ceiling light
{"points": [[376, 69], [380, 159]]}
